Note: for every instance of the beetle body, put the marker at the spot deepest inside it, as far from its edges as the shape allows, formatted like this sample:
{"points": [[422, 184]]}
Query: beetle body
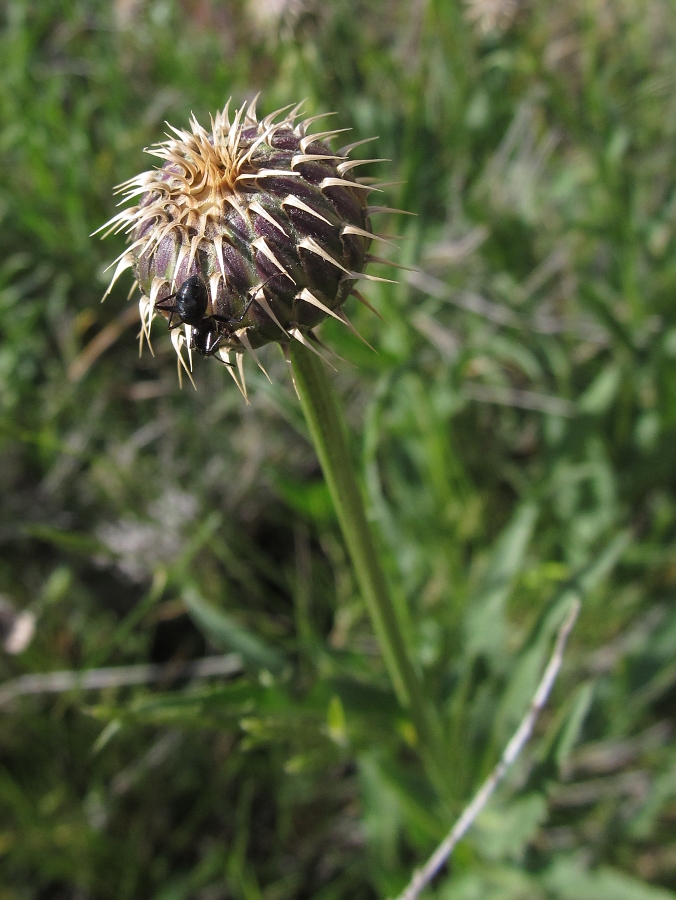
{"points": [[190, 304], [192, 301]]}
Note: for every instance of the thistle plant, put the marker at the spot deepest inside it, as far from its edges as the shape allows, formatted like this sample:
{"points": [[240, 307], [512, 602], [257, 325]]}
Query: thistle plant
{"points": [[254, 233]]}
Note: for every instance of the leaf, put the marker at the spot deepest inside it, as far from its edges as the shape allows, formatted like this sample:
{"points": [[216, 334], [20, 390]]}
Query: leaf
{"points": [[604, 562], [504, 832], [309, 498], [335, 722], [382, 812], [567, 879], [106, 736], [528, 669], [493, 883], [572, 726], [216, 706], [662, 791], [563, 733], [601, 392], [69, 541], [417, 805], [225, 632], [486, 626]]}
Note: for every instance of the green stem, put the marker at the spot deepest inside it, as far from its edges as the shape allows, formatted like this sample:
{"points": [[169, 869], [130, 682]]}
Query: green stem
{"points": [[329, 434]]}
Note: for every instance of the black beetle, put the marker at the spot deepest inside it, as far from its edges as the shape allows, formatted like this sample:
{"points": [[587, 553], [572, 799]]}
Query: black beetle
{"points": [[190, 305]]}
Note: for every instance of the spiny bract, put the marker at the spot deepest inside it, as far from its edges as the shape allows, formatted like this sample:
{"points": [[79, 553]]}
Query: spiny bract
{"points": [[273, 223]]}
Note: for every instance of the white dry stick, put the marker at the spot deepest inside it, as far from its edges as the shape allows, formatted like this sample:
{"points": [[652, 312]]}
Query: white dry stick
{"points": [[118, 676], [422, 877]]}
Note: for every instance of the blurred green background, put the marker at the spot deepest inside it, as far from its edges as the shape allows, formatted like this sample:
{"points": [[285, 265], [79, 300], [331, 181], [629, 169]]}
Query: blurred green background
{"points": [[517, 438]]}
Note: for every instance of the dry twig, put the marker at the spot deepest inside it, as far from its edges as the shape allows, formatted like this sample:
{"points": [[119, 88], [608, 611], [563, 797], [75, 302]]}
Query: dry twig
{"points": [[101, 342], [422, 877], [118, 676]]}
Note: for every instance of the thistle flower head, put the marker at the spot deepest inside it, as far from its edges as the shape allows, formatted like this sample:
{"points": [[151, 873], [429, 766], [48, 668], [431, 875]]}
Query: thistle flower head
{"points": [[248, 233]]}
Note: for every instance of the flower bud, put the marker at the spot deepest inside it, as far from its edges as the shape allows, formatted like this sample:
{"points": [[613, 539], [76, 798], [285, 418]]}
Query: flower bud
{"points": [[250, 233]]}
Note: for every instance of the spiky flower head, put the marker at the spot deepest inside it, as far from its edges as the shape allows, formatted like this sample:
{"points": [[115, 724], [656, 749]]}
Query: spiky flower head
{"points": [[250, 233]]}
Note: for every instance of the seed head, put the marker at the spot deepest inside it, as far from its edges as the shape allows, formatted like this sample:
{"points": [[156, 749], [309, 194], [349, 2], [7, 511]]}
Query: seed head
{"points": [[250, 233]]}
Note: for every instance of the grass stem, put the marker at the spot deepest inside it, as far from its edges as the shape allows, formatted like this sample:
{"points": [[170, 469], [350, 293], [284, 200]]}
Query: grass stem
{"points": [[329, 434]]}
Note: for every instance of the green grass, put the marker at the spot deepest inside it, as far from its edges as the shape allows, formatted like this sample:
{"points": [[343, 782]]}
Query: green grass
{"points": [[516, 435]]}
